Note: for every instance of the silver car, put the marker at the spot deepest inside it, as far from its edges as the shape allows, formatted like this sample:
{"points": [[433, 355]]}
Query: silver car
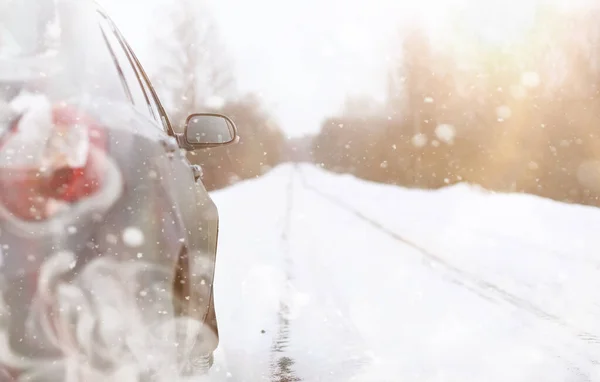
{"points": [[108, 238]]}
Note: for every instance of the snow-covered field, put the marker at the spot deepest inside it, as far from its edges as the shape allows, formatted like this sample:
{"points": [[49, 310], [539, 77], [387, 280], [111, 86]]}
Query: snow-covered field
{"points": [[323, 277]]}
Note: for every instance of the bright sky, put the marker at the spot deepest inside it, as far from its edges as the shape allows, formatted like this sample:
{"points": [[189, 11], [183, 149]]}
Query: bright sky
{"points": [[302, 56], [305, 56]]}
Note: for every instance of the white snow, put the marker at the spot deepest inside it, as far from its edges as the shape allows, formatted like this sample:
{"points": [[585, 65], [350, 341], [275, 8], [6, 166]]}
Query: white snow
{"points": [[360, 281], [133, 237]]}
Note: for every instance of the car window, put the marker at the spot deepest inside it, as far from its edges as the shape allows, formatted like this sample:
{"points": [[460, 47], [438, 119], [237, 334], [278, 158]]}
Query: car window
{"points": [[39, 52], [134, 77], [131, 80], [153, 101]]}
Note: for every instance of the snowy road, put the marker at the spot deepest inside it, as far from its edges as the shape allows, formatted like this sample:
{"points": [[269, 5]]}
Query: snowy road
{"points": [[323, 277]]}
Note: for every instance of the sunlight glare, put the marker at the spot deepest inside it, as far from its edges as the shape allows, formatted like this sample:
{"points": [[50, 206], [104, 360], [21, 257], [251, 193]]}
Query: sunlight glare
{"points": [[494, 22]]}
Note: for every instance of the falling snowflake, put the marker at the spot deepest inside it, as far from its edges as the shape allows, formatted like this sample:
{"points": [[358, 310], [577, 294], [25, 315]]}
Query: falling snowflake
{"points": [[133, 237], [445, 133], [419, 140]]}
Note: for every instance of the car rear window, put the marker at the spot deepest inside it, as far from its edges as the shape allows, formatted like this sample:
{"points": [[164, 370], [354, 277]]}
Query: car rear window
{"points": [[28, 28], [55, 47]]}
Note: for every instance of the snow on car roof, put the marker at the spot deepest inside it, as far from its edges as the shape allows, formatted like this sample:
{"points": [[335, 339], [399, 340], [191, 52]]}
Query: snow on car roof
{"points": [[34, 34], [55, 47], [28, 27]]}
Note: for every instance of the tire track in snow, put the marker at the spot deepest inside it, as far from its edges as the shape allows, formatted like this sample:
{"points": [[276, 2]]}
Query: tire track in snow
{"points": [[467, 280], [282, 364]]}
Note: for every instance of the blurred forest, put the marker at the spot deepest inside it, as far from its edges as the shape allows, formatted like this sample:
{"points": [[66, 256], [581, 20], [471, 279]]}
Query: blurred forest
{"points": [[194, 74], [517, 117], [522, 116]]}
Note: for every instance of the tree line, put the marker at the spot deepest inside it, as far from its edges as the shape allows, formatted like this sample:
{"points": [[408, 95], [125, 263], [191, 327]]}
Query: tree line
{"points": [[521, 116], [194, 74]]}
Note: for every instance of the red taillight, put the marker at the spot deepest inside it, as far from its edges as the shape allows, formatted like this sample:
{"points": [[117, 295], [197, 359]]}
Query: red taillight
{"points": [[70, 184], [38, 193]]}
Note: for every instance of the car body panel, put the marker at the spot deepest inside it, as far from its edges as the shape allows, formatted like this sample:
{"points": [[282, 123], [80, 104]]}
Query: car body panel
{"points": [[199, 217], [150, 246]]}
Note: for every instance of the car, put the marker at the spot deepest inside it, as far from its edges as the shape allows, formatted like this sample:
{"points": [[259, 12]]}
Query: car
{"points": [[108, 238]]}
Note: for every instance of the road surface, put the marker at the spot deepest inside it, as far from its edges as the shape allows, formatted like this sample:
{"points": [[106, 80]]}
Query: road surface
{"points": [[311, 285]]}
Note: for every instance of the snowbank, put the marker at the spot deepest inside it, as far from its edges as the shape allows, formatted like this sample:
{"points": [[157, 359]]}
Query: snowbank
{"points": [[381, 283]]}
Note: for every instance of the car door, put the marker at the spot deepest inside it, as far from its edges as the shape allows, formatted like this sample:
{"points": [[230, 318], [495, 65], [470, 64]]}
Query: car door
{"points": [[193, 205]]}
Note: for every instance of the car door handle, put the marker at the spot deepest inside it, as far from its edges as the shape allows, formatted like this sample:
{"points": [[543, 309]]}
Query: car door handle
{"points": [[197, 171], [170, 144]]}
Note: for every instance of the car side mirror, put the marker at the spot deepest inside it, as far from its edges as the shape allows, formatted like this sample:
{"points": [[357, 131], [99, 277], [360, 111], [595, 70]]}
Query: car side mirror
{"points": [[204, 130]]}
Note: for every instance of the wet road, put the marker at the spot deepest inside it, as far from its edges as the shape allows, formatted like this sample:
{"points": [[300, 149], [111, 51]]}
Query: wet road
{"points": [[310, 288]]}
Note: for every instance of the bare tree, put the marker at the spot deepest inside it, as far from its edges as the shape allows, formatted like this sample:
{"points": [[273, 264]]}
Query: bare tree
{"points": [[194, 72], [194, 67]]}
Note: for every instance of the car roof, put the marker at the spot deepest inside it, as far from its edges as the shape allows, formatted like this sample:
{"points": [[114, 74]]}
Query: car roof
{"points": [[34, 32], [75, 59]]}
